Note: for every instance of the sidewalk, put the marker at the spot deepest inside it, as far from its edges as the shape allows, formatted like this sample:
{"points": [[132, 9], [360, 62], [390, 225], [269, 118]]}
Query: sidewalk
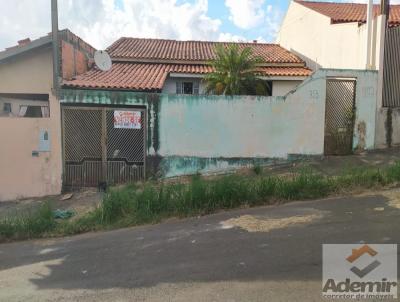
{"points": [[87, 199], [334, 165]]}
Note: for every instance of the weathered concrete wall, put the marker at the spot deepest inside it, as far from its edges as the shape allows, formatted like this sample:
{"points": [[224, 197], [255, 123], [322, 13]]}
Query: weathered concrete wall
{"points": [[189, 134], [388, 127], [366, 94], [23, 174]]}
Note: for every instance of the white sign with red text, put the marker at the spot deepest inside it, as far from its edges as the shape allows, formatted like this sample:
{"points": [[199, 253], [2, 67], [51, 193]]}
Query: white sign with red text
{"points": [[127, 119]]}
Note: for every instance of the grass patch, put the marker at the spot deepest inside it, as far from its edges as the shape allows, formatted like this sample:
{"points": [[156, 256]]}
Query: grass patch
{"points": [[28, 224], [257, 169], [152, 202]]}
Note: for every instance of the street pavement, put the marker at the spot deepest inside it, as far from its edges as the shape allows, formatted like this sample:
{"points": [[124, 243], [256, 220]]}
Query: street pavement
{"points": [[270, 253]]}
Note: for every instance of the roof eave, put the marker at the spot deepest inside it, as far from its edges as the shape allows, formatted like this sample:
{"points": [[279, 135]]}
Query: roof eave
{"points": [[41, 42], [102, 88]]}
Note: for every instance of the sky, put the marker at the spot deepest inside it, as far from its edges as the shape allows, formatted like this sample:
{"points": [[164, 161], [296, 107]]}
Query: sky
{"points": [[101, 22]]}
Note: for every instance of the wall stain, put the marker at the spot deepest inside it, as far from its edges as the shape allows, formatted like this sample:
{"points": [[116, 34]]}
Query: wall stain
{"points": [[153, 138], [389, 127], [361, 134]]}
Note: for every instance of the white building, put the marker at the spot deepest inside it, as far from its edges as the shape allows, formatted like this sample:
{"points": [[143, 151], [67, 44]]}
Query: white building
{"points": [[333, 35], [337, 35]]}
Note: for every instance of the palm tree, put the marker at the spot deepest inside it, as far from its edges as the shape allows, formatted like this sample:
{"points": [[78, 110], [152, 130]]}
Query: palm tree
{"points": [[234, 72]]}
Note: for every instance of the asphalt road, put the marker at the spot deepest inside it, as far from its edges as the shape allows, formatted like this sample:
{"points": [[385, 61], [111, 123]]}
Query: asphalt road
{"points": [[270, 256]]}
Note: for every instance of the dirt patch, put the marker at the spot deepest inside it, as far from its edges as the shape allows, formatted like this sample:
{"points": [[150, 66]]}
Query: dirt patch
{"points": [[394, 198], [253, 224], [80, 202], [392, 195]]}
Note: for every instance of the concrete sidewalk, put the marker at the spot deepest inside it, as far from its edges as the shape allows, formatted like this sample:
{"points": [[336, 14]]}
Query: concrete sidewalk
{"points": [[334, 165]]}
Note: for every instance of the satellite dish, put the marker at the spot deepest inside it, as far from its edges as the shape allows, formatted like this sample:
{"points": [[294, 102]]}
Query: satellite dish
{"points": [[102, 60]]}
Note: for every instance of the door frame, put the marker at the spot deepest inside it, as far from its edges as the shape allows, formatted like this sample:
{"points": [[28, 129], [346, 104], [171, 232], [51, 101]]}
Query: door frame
{"points": [[103, 109], [354, 111]]}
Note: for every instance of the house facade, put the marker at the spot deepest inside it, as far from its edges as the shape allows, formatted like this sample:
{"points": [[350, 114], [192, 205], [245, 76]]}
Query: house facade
{"points": [[179, 67], [334, 35], [30, 125], [148, 115]]}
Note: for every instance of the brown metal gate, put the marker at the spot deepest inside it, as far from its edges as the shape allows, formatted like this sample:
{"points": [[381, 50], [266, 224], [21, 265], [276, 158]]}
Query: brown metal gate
{"points": [[339, 116], [100, 146]]}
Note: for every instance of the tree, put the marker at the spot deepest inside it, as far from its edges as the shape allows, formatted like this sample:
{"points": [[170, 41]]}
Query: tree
{"points": [[235, 72]]}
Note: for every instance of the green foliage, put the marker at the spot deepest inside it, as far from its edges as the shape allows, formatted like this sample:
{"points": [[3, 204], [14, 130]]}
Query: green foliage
{"points": [[257, 169], [152, 202], [234, 72], [33, 223]]}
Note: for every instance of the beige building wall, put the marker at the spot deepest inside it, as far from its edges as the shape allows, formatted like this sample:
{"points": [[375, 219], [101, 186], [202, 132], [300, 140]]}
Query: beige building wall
{"points": [[24, 171], [322, 44], [281, 88]]}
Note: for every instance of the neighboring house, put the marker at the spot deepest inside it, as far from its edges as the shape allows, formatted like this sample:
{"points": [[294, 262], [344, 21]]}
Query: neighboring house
{"points": [[333, 35], [30, 120], [178, 67]]}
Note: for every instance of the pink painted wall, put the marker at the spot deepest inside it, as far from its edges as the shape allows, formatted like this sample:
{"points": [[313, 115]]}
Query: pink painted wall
{"points": [[21, 174]]}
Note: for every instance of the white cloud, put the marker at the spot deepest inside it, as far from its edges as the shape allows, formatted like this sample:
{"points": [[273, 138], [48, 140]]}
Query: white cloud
{"points": [[255, 14], [246, 14], [102, 22], [23, 18], [273, 21], [150, 18], [228, 37]]}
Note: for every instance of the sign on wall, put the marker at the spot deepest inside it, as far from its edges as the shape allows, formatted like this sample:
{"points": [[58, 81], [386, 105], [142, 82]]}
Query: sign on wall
{"points": [[127, 119], [44, 140]]}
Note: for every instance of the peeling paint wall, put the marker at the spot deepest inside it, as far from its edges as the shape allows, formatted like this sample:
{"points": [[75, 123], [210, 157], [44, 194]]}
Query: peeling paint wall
{"points": [[189, 134], [388, 128], [365, 115]]}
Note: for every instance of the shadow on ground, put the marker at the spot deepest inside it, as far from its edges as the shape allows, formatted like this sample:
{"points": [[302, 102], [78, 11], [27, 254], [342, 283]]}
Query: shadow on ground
{"points": [[200, 250]]}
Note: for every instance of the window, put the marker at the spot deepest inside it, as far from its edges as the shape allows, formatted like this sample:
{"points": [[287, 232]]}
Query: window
{"points": [[187, 87], [7, 108], [24, 105], [178, 87], [196, 88], [33, 111]]}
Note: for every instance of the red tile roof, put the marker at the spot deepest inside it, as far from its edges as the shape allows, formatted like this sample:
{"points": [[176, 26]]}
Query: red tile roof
{"points": [[144, 64], [171, 50], [350, 12], [151, 77]]}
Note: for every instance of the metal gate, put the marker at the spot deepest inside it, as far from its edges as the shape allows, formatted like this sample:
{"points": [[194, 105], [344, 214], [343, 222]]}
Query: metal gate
{"points": [[103, 145], [391, 70], [339, 116]]}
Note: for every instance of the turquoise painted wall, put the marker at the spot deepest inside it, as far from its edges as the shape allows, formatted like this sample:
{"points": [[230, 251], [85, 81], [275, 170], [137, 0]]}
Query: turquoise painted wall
{"points": [[189, 134]]}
